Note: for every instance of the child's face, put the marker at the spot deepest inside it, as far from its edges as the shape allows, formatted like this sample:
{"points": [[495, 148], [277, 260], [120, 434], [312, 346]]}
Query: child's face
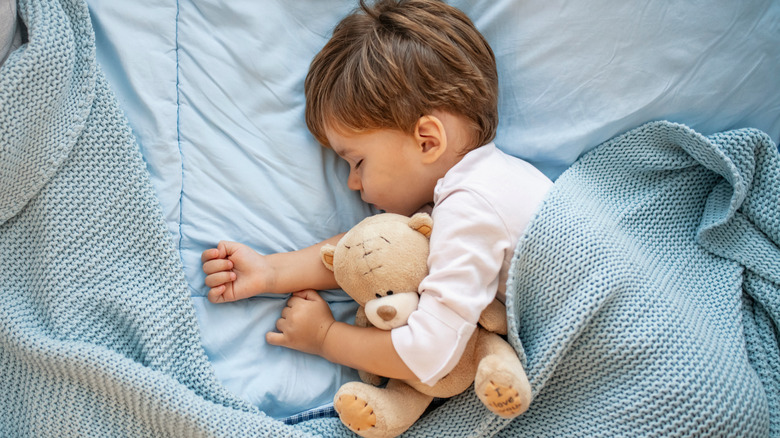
{"points": [[385, 166]]}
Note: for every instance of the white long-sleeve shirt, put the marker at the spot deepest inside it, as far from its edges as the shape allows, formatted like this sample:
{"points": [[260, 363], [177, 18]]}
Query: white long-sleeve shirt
{"points": [[481, 208]]}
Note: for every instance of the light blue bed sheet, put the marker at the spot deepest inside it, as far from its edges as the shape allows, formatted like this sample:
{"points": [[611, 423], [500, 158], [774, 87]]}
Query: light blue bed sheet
{"points": [[214, 93]]}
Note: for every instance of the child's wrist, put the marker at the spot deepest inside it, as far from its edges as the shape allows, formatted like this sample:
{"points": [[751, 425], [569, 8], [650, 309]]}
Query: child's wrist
{"points": [[270, 280], [330, 346]]}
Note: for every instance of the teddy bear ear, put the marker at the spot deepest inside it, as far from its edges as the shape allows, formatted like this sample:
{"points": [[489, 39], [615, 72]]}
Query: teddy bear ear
{"points": [[326, 252], [422, 223]]}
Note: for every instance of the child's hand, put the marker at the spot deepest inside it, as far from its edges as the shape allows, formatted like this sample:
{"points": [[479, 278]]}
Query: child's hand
{"points": [[234, 271], [304, 323]]}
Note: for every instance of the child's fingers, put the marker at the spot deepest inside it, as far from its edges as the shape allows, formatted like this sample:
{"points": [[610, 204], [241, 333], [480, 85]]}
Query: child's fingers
{"points": [[308, 294], [227, 248], [275, 338], [215, 294], [217, 265], [219, 278], [209, 254], [224, 249]]}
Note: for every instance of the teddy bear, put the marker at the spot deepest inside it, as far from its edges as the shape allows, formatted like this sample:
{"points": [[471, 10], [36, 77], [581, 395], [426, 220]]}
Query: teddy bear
{"points": [[380, 263]]}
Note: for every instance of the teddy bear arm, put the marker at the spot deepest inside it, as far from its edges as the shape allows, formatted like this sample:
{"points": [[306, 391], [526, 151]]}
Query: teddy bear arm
{"points": [[370, 378], [493, 318], [361, 320]]}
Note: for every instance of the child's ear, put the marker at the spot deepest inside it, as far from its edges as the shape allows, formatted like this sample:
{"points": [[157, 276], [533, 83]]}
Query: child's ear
{"points": [[431, 138]]}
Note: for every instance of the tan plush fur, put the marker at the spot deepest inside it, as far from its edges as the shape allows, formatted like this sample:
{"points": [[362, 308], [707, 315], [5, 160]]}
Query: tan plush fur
{"points": [[381, 259]]}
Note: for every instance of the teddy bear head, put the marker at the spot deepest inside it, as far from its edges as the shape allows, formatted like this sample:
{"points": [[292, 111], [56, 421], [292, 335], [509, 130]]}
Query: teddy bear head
{"points": [[380, 263]]}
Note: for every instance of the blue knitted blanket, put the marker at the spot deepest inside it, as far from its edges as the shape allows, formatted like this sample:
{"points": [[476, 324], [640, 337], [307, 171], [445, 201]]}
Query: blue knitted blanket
{"points": [[643, 299], [646, 293]]}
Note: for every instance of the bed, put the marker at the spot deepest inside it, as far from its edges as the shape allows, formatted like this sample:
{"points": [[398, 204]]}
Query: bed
{"points": [[644, 297]]}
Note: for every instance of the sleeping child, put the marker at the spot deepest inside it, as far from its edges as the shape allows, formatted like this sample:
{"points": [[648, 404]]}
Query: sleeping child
{"points": [[405, 92]]}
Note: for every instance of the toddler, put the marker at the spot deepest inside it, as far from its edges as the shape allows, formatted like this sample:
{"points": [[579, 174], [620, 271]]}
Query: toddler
{"points": [[406, 93]]}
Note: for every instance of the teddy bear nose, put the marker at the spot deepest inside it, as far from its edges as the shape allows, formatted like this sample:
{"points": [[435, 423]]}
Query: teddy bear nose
{"points": [[386, 312]]}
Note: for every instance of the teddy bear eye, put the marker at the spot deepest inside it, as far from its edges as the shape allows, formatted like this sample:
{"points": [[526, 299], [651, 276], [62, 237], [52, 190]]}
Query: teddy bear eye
{"points": [[389, 292], [378, 295]]}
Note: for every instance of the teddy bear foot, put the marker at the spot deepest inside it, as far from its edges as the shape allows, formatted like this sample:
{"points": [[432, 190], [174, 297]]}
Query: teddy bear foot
{"points": [[355, 413], [373, 412], [504, 401], [501, 388]]}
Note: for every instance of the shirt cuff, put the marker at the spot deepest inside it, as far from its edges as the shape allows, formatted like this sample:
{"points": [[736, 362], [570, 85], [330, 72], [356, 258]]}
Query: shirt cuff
{"points": [[433, 341]]}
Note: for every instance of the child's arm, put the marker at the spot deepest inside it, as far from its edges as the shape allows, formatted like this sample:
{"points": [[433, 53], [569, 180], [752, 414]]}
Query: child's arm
{"points": [[235, 271], [307, 325]]}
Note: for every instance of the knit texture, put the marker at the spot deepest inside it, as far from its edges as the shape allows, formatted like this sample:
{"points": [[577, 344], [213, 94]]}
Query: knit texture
{"points": [[644, 297], [98, 337]]}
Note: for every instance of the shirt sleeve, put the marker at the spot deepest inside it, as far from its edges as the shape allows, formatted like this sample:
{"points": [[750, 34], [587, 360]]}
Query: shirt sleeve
{"points": [[468, 244]]}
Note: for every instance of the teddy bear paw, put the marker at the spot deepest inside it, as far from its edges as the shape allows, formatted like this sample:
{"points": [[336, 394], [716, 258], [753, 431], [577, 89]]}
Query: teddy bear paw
{"points": [[355, 413], [504, 401]]}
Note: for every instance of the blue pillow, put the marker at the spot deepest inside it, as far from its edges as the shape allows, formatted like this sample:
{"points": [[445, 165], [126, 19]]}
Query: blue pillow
{"points": [[574, 74]]}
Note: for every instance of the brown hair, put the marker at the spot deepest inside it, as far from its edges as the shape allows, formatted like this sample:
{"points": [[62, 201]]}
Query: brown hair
{"points": [[390, 63]]}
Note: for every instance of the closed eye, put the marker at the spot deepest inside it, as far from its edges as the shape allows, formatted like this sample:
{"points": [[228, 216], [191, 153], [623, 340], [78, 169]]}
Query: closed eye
{"points": [[358, 164]]}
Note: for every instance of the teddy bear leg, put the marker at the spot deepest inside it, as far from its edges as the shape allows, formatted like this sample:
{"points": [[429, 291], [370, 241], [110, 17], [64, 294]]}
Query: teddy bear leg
{"points": [[501, 382], [373, 412]]}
